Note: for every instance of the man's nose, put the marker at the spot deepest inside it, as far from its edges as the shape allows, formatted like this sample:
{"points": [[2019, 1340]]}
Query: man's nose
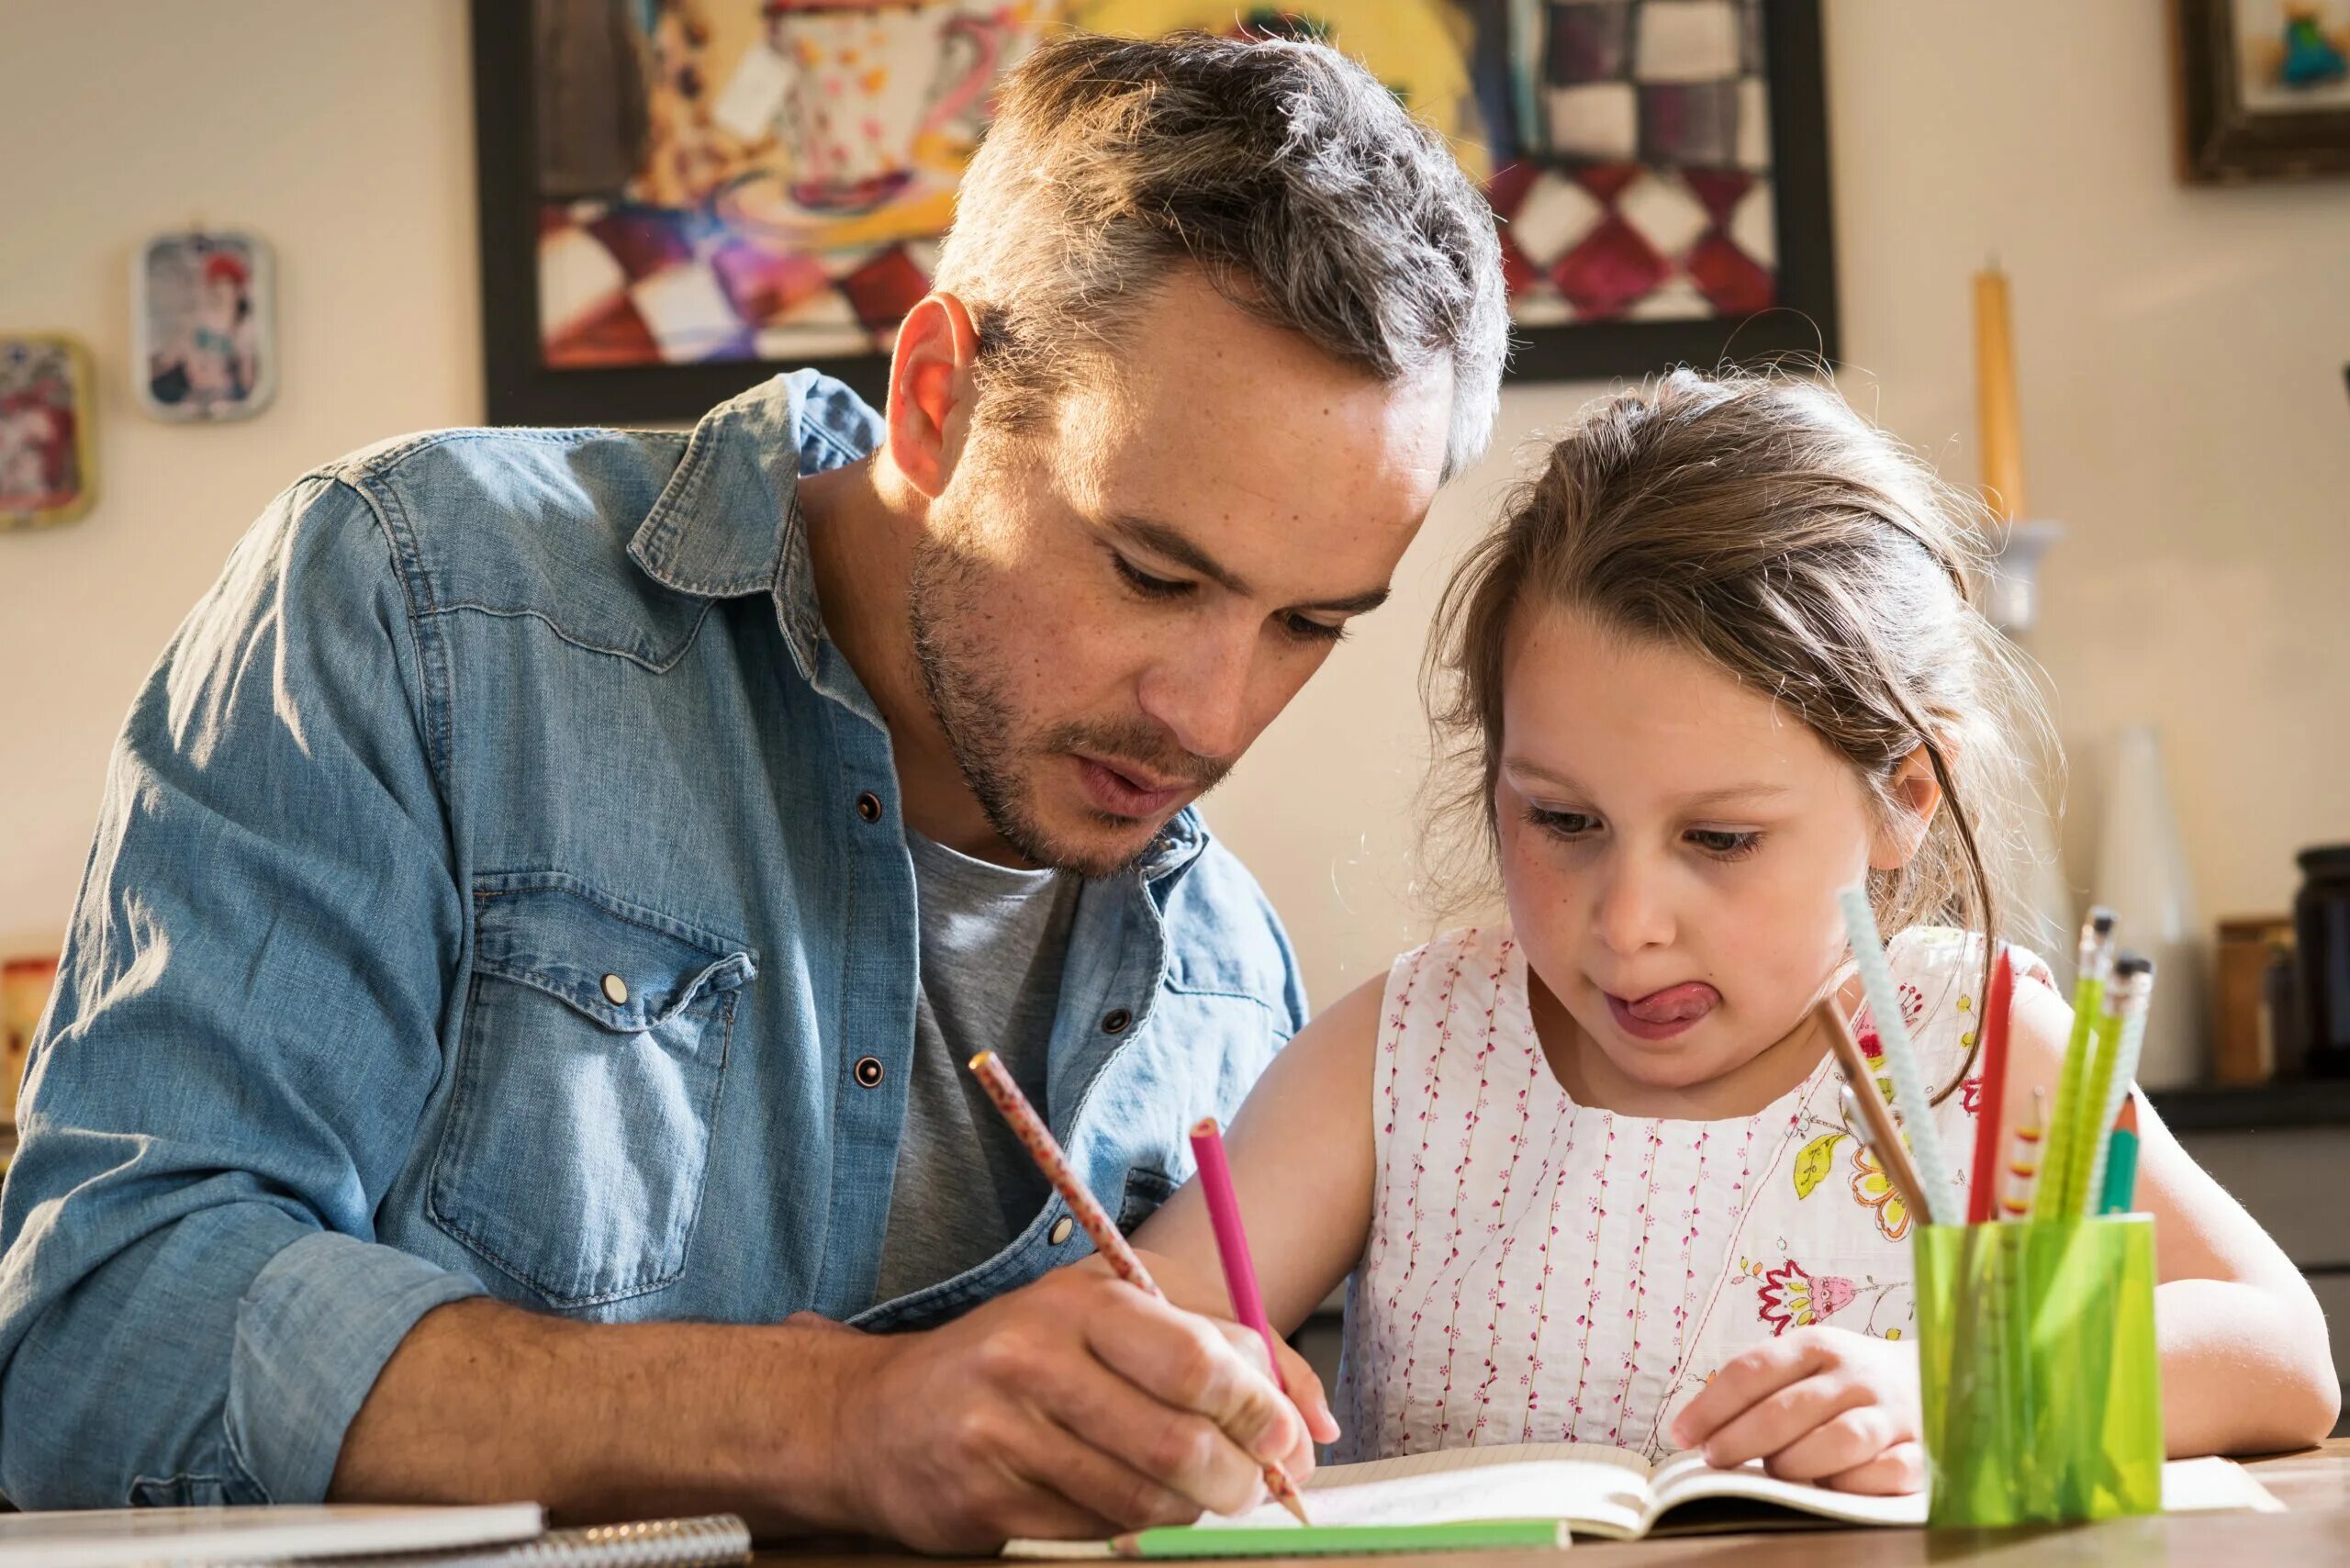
{"points": [[1199, 692]]}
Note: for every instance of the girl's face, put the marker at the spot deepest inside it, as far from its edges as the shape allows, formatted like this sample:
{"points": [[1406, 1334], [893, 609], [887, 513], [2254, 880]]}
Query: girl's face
{"points": [[1671, 845]]}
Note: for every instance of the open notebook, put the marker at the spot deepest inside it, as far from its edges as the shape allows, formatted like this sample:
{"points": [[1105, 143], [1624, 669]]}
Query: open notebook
{"points": [[1536, 1493]]}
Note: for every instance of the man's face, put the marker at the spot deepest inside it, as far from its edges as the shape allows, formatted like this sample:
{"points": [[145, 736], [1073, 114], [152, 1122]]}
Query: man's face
{"points": [[1106, 611]]}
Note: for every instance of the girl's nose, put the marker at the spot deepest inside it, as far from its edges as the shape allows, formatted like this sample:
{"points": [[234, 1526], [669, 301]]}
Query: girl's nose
{"points": [[1635, 911]]}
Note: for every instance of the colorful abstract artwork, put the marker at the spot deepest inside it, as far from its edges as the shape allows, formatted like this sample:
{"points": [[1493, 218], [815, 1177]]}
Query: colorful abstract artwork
{"points": [[679, 195]]}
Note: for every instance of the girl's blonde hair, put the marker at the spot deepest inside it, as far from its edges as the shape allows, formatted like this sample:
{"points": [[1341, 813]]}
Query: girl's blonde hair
{"points": [[1754, 520]]}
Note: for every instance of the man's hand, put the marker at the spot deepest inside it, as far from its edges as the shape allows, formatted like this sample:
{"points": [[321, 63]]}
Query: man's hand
{"points": [[1078, 1406], [1820, 1405]]}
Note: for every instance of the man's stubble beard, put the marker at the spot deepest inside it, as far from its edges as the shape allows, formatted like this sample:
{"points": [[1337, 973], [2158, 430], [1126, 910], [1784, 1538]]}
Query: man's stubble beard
{"points": [[967, 701]]}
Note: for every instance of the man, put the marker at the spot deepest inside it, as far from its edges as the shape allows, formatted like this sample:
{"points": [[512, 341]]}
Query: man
{"points": [[510, 1040]]}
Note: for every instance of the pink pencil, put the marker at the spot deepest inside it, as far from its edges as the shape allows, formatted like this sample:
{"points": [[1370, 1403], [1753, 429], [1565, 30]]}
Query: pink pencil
{"points": [[1232, 1239]]}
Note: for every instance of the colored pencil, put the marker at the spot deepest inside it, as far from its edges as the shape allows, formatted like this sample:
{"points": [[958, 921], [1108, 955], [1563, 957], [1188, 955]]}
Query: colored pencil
{"points": [[2119, 1194], [1980, 1189], [2125, 1070], [1900, 1058], [1232, 1241], [1877, 1129], [2023, 1160], [2096, 957], [1045, 1151]]}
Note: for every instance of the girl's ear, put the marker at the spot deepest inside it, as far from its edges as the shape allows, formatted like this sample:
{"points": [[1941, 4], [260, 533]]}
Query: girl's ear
{"points": [[1917, 795]]}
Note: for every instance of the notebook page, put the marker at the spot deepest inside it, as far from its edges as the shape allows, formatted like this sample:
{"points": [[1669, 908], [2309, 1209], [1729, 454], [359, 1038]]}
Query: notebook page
{"points": [[1599, 1494], [1446, 1461]]}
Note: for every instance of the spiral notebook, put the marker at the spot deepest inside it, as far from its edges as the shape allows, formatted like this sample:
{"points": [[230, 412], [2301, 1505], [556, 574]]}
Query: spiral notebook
{"points": [[362, 1536]]}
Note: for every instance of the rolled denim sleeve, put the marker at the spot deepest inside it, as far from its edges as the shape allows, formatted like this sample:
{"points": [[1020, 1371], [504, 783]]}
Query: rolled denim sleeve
{"points": [[245, 1034]]}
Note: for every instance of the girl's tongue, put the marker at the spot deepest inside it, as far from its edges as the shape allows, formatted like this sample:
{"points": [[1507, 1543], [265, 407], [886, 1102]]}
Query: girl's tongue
{"points": [[1675, 1004]]}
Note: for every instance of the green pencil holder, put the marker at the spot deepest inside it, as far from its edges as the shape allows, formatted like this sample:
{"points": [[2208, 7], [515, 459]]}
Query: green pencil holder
{"points": [[2039, 1371]]}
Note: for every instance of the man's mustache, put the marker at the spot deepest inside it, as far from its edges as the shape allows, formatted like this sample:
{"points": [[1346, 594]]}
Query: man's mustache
{"points": [[1148, 747]]}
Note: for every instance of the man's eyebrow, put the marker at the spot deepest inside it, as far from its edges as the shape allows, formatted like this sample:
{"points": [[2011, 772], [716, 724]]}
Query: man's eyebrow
{"points": [[1170, 543]]}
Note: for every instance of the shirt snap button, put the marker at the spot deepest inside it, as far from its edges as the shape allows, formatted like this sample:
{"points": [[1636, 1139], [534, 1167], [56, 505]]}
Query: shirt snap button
{"points": [[868, 806], [1115, 1021], [615, 990], [868, 1071], [1061, 1227]]}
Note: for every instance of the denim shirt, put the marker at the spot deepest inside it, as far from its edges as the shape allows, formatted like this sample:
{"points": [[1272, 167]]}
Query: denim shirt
{"points": [[500, 887]]}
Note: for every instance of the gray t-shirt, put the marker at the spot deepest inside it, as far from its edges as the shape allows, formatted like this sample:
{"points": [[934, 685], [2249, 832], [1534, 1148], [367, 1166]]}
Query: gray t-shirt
{"points": [[993, 939]]}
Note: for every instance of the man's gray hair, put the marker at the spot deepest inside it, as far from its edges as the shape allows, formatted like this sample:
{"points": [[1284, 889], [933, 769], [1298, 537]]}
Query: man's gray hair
{"points": [[1285, 172]]}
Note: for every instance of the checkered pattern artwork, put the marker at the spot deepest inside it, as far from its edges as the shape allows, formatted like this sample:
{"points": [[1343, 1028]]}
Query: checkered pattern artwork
{"points": [[774, 187], [1640, 188]]}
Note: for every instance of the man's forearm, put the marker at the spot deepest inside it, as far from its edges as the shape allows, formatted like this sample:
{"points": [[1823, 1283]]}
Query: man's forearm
{"points": [[484, 1402]]}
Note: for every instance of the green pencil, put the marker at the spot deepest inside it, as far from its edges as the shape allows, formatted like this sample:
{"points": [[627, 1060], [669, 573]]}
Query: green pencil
{"points": [[2122, 1000], [2095, 955]]}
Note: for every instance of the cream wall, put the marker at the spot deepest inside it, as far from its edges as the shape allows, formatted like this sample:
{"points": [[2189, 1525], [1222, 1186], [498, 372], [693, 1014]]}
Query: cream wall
{"points": [[2181, 373]]}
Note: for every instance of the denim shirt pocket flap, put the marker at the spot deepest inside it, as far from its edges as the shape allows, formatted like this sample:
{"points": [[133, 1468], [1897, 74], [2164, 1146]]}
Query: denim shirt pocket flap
{"points": [[629, 969], [586, 1093]]}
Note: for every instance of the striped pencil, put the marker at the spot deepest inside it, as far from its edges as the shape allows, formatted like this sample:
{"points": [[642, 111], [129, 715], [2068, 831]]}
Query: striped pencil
{"points": [[2023, 1160], [1045, 1151], [1900, 1058]]}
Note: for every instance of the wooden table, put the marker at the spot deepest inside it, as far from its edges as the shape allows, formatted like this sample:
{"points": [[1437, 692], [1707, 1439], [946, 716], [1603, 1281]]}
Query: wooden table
{"points": [[2314, 1487]]}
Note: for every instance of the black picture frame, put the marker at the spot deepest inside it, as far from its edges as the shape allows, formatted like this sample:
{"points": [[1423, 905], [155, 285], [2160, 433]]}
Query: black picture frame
{"points": [[2221, 140], [520, 389]]}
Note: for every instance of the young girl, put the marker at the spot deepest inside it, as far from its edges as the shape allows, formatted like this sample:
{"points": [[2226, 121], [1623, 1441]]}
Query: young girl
{"points": [[1587, 1168]]}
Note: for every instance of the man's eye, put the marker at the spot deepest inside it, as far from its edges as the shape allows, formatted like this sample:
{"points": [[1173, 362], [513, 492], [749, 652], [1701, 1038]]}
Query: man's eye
{"points": [[1145, 584], [1304, 629]]}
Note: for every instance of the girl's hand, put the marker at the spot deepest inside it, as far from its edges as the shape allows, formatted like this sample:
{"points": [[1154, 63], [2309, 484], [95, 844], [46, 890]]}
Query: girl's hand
{"points": [[1826, 1405]]}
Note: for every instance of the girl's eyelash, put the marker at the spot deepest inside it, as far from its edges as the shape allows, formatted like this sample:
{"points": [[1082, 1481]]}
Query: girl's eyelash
{"points": [[1726, 845], [1720, 844]]}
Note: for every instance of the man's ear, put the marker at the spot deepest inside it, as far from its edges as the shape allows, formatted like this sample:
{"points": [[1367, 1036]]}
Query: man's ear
{"points": [[1916, 795], [930, 390]]}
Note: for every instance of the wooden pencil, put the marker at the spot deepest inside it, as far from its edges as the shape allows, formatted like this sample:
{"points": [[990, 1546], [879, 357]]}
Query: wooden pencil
{"points": [[1883, 1136], [1045, 1151]]}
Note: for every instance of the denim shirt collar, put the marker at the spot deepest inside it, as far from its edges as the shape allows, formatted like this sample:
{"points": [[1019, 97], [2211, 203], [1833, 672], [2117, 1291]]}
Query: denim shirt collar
{"points": [[729, 523]]}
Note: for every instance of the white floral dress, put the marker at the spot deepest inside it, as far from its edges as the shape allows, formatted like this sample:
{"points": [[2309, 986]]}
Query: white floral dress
{"points": [[1541, 1271]]}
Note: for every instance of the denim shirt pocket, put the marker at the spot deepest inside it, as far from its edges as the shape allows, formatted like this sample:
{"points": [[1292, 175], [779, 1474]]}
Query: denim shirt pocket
{"points": [[594, 1047]]}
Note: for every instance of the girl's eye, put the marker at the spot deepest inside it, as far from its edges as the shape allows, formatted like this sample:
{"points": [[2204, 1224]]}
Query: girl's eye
{"points": [[1147, 584], [1724, 846], [1566, 825]]}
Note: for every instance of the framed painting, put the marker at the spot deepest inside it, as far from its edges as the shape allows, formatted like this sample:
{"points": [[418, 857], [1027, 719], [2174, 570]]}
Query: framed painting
{"points": [[680, 197], [2264, 88], [47, 405], [206, 315]]}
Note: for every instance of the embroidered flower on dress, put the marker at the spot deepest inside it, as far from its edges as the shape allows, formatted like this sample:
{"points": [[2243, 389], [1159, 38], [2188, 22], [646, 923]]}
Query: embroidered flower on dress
{"points": [[1970, 1095], [1793, 1299], [1874, 1190], [1913, 1007]]}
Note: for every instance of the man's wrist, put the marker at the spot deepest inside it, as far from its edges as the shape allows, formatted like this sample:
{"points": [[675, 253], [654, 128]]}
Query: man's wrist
{"points": [[805, 1424]]}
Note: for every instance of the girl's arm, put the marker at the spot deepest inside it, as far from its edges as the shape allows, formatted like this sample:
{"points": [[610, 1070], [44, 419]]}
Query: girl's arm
{"points": [[1303, 1162], [2246, 1367]]}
